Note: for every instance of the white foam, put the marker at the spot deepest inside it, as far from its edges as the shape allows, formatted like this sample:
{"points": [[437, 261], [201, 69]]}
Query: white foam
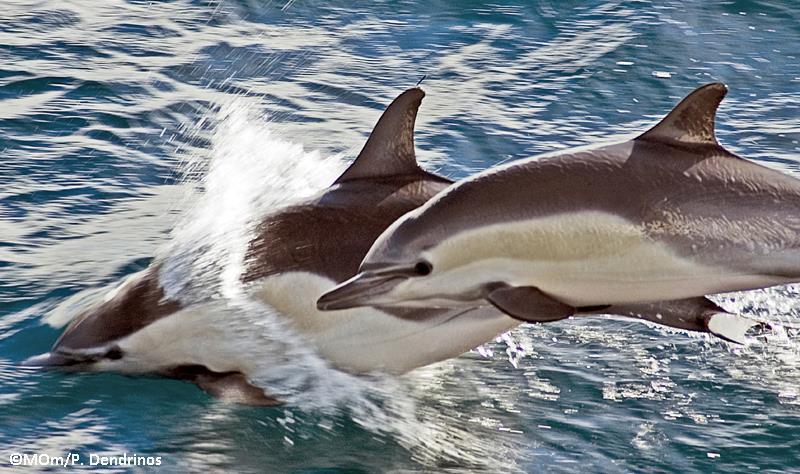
{"points": [[251, 171]]}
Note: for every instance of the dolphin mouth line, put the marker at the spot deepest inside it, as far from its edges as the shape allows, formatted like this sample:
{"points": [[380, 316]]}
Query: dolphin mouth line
{"points": [[361, 290]]}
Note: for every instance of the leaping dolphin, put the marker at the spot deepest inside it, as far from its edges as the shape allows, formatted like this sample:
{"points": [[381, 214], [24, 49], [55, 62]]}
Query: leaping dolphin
{"points": [[644, 228], [298, 253]]}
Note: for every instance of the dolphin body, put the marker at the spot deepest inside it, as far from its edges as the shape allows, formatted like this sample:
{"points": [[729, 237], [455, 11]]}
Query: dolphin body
{"points": [[643, 228], [298, 253]]}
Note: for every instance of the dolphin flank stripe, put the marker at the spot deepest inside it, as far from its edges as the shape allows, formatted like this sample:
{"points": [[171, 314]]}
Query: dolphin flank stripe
{"points": [[581, 258]]}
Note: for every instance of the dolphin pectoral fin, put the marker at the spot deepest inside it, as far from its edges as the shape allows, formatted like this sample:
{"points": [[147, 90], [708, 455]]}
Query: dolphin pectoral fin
{"points": [[234, 388], [529, 304], [691, 314]]}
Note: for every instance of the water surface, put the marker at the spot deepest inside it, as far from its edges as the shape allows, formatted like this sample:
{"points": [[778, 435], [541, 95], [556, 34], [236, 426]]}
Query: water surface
{"points": [[135, 128]]}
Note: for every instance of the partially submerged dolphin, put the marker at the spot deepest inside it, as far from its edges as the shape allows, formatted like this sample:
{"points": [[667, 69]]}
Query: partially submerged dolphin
{"points": [[298, 253], [642, 228]]}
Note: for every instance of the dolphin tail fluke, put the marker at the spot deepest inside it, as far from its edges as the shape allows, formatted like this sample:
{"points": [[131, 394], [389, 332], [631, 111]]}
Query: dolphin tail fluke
{"points": [[692, 314], [733, 327]]}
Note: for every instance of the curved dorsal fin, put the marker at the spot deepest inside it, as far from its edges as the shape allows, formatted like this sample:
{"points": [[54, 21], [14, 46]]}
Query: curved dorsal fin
{"points": [[692, 120], [389, 150]]}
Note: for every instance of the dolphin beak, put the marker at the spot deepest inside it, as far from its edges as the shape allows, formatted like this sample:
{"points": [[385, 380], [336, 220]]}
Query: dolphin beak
{"points": [[41, 360], [48, 359], [363, 289]]}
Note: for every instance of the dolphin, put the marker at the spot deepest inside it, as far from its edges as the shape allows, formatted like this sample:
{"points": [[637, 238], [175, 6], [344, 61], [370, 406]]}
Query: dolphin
{"points": [[297, 253], [644, 228]]}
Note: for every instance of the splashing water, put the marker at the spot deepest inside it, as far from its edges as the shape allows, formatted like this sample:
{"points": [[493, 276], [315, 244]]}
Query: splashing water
{"points": [[251, 173]]}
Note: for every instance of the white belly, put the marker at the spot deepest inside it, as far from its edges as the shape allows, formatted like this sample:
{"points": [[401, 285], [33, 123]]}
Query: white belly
{"points": [[584, 259], [366, 339], [249, 341]]}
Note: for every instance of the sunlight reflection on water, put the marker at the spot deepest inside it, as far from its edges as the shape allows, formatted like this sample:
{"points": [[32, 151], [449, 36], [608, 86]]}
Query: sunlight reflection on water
{"points": [[106, 107]]}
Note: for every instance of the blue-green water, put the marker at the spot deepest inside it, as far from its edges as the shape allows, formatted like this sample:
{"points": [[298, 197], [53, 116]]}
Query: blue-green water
{"points": [[110, 113]]}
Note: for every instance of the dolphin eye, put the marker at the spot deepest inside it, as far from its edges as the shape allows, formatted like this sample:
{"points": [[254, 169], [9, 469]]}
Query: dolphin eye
{"points": [[423, 268]]}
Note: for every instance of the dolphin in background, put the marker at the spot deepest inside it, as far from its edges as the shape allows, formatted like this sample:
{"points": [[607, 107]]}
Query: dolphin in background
{"points": [[297, 253], [644, 228]]}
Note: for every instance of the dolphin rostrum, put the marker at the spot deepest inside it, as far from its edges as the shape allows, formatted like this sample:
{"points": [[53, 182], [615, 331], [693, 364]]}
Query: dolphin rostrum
{"points": [[643, 228], [297, 254]]}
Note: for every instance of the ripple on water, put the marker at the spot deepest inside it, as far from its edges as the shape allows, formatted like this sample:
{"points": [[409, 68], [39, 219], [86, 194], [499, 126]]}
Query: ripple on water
{"points": [[110, 121]]}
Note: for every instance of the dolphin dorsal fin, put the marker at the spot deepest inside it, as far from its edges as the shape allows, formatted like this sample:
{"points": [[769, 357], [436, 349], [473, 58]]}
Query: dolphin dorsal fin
{"points": [[389, 150], [692, 120]]}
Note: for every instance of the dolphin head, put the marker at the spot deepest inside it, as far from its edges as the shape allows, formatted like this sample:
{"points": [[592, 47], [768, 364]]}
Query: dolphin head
{"points": [[370, 288], [400, 269]]}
